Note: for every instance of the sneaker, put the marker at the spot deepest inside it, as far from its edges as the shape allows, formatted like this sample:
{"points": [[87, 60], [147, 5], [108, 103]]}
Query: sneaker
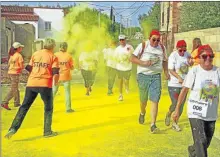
{"points": [[127, 91], [141, 119], [167, 119], [154, 129], [70, 110], [176, 127], [5, 106], [109, 92], [191, 151], [50, 134], [120, 98], [10, 133], [17, 105]]}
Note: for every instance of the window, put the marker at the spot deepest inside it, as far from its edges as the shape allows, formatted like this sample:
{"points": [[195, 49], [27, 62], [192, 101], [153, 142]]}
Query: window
{"points": [[47, 26]]}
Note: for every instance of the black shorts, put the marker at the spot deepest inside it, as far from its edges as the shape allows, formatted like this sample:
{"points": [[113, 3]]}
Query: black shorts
{"points": [[124, 74]]}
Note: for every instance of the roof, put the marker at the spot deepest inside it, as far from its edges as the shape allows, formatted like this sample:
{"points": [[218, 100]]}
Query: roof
{"points": [[17, 9], [19, 13], [20, 17]]}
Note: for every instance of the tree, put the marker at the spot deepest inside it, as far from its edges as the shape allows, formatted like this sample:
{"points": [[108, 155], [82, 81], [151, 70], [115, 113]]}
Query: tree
{"points": [[150, 20], [39, 4], [58, 5], [199, 15]]}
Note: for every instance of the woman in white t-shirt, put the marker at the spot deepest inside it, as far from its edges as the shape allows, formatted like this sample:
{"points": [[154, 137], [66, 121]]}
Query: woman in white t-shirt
{"points": [[110, 61], [178, 65], [202, 108], [88, 62]]}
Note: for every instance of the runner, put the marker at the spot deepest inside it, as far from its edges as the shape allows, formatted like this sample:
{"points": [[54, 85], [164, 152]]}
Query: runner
{"points": [[204, 81], [44, 71], [110, 60], [123, 53], [88, 63], [66, 65], [196, 43], [151, 58], [178, 65], [16, 65]]}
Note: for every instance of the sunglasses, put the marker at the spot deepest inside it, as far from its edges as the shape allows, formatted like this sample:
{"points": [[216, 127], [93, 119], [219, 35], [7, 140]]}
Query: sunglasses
{"points": [[154, 40], [206, 56], [181, 50], [121, 39]]}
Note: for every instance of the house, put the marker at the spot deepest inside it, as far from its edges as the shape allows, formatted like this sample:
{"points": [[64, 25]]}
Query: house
{"points": [[46, 21], [138, 35], [169, 24]]}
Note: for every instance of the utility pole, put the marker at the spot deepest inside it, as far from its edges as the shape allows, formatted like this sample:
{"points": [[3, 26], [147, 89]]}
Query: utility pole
{"points": [[99, 17], [120, 23], [127, 26], [111, 18], [168, 20], [130, 27]]}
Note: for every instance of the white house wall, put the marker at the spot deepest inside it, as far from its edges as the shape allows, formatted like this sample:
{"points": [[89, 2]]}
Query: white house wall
{"points": [[34, 23], [55, 16]]}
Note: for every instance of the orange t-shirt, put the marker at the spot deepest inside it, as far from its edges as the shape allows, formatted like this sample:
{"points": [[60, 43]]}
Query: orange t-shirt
{"points": [[195, 57], [65, 64], [16, 64], [42, 63]]}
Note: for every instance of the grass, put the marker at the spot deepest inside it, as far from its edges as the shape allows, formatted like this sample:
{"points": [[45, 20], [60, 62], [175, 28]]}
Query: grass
{"points": [[100, 127]]}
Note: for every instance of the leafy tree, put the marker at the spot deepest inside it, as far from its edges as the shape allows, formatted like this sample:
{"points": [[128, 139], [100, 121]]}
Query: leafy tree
{"points": [[199, 15], [150, 20]]}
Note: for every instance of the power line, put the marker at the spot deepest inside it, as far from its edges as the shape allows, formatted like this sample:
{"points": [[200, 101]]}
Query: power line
{"points": [[100, 5], [125, 9], [147, 5], [133, 13]]}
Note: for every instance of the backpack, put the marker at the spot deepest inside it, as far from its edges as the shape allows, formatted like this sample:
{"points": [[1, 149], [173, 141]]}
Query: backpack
{"points": [[143, 47]]}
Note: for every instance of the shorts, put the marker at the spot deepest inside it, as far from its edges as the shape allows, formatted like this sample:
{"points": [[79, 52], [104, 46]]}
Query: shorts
{"points": [[124, 74], [149, 86]]}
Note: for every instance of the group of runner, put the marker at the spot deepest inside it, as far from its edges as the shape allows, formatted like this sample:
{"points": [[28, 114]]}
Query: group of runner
{"points": [[184, 71]]}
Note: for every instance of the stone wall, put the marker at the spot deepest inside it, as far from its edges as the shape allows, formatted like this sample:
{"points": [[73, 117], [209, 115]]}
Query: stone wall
{"points": [[10, 32], [209, 36], [25, 34], [7, 36]]}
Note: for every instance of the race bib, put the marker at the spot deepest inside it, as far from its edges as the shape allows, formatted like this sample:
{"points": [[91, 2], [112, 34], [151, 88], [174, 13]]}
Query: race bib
{"points": [[198, 108]]}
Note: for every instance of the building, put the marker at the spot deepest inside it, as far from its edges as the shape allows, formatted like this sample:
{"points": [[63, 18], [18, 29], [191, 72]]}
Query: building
{"points": [[169, 24], [138, 35], [46, 21]]}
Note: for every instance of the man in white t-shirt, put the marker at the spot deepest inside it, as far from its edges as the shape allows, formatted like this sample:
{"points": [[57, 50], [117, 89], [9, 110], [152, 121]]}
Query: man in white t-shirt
{"points": [[110, 61], [151, 58], [203, 101], [178, 65], [123, 53]]}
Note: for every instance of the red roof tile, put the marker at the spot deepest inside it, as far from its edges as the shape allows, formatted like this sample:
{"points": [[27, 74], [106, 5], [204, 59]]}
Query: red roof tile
{"points": [[20, 17], [17, 9]]}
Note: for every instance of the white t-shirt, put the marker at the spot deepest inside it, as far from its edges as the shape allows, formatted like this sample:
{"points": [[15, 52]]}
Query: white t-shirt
{"points": [[87, 60], [204, 96], [180, 65], [110, 57], [123, 55], [155, 54]]}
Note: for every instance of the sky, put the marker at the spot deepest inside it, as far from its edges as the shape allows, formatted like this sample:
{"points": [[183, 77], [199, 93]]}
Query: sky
{"points": [[129, 10]]}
